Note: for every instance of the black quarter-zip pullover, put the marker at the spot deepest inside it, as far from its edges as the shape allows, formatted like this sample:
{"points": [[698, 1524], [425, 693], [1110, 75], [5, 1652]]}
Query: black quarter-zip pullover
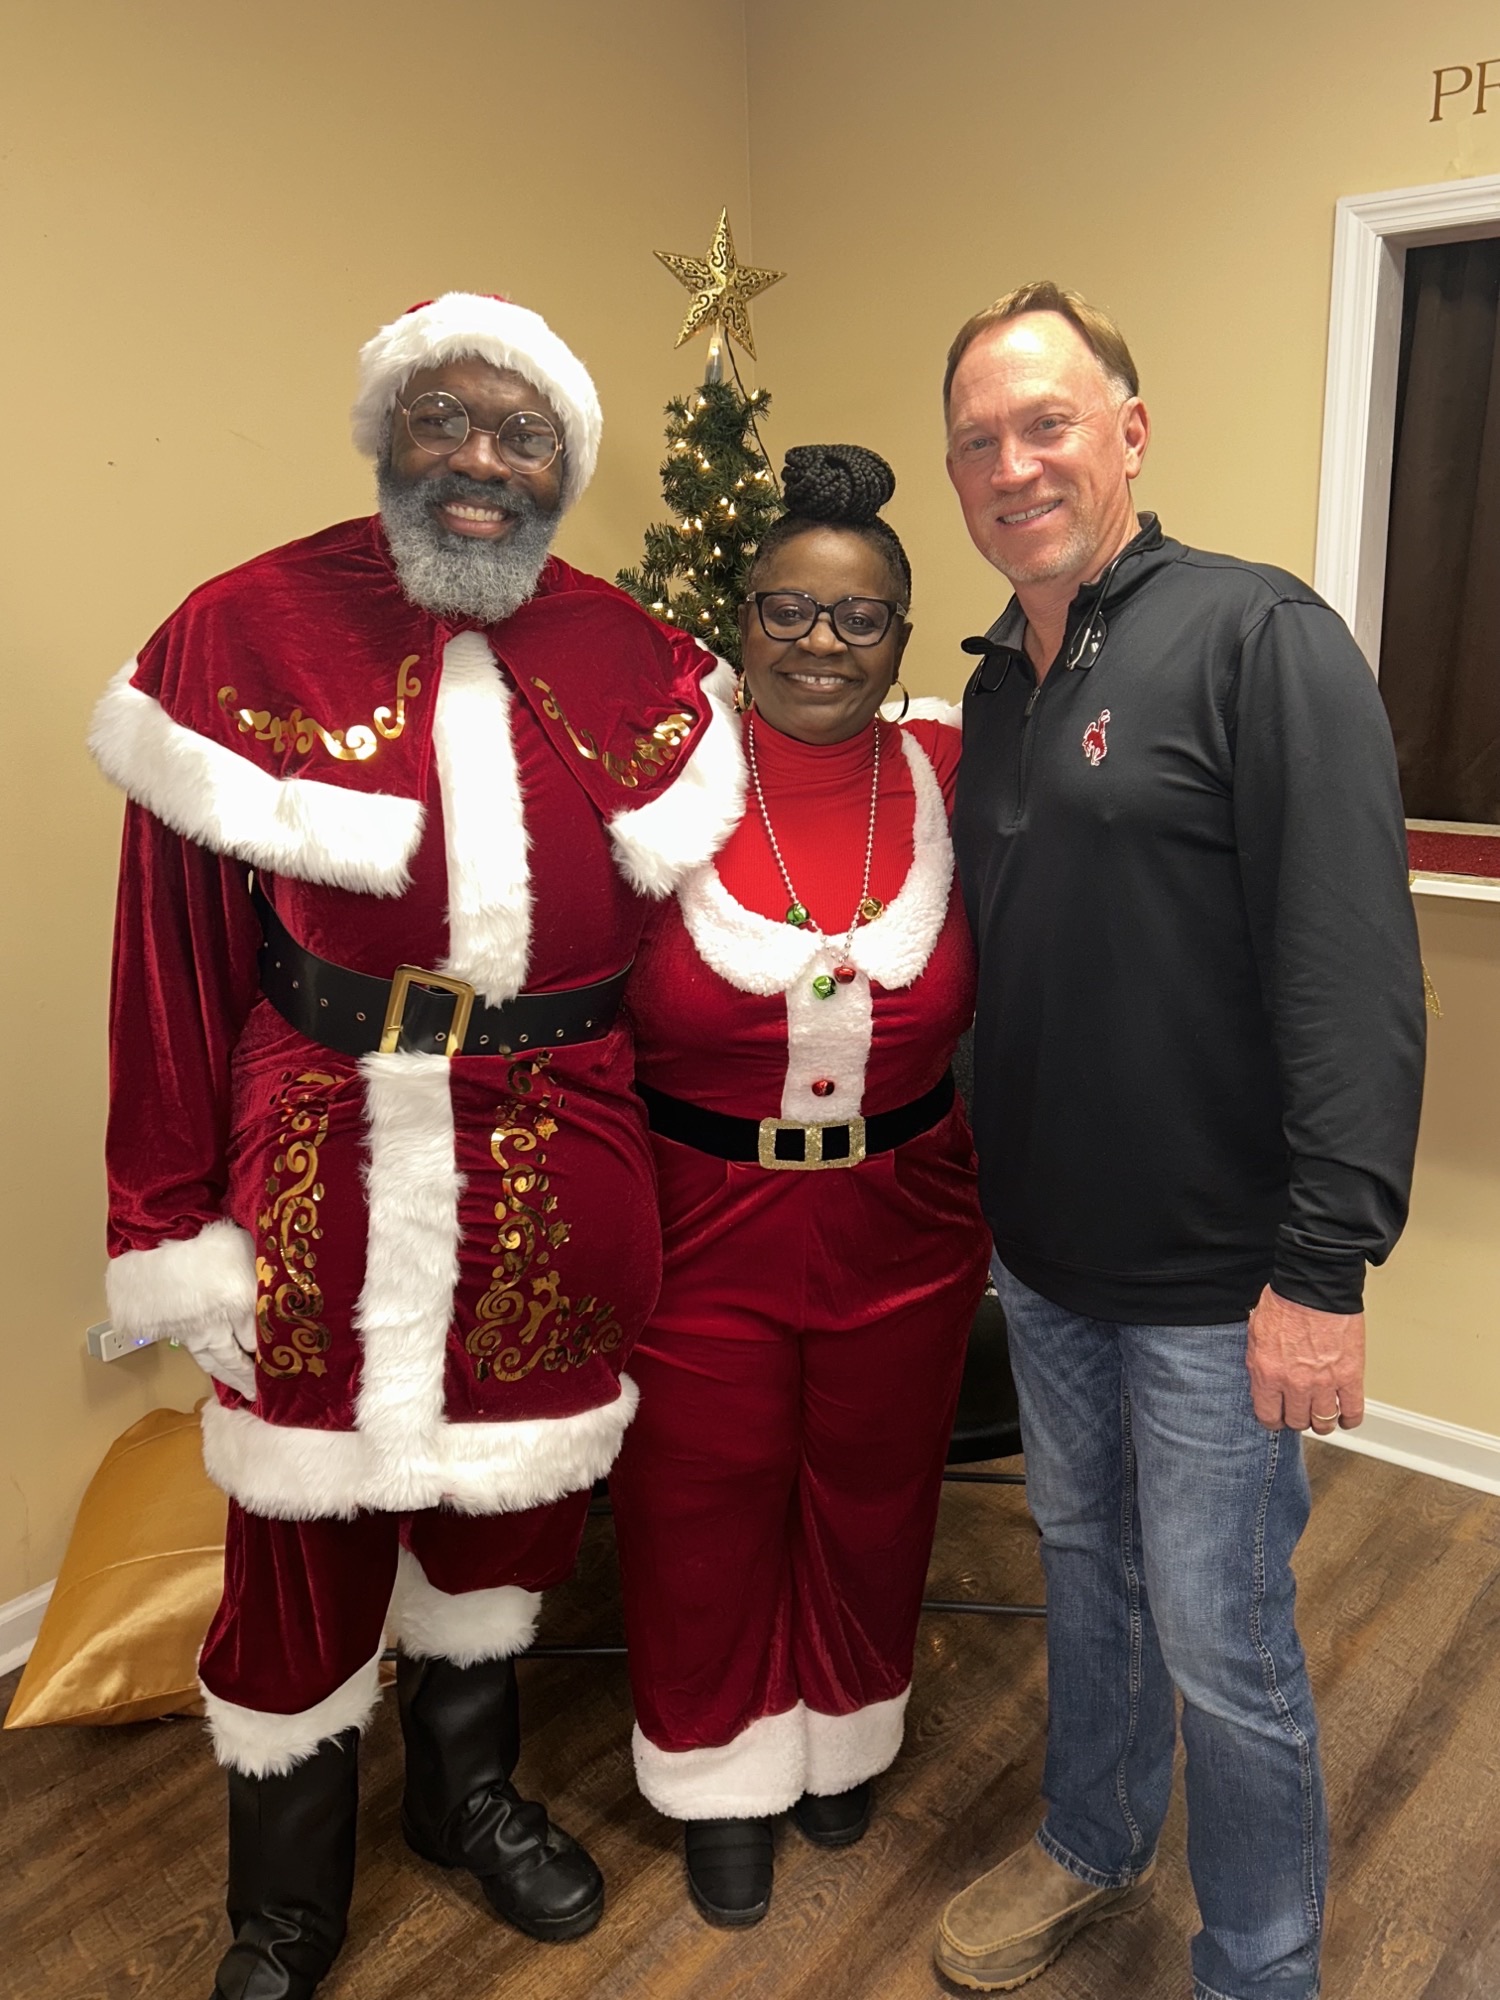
{"points": [[1198, 1053]]}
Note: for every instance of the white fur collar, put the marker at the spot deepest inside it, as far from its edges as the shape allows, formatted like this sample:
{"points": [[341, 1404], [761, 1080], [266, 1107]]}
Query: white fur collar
{"points": [[759, 955]]}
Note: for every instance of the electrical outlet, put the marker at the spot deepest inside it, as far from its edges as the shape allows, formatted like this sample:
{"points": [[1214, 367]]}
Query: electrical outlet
{"points": [[106, 1343]]}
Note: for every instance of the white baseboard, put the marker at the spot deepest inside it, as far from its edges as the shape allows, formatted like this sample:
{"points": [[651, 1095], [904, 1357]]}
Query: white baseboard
{"points": [[20, 1621], [1426, 1444]]}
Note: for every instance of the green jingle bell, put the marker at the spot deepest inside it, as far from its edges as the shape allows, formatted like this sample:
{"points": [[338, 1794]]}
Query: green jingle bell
{"points": [[796, 914], [823, 986]]}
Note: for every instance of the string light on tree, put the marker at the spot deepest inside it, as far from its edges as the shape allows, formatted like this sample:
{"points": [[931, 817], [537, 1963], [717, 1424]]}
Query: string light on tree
{"points": [[716, 469]]}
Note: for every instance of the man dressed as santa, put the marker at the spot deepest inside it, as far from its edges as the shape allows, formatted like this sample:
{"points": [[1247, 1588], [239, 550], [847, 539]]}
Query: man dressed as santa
{"points": [[399, 794]]}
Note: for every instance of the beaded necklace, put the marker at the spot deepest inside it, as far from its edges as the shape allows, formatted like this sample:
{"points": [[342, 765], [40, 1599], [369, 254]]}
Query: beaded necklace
{"points": [[868, 907]]}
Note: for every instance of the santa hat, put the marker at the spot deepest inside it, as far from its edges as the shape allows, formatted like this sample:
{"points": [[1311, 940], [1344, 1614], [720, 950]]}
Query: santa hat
{"points": [[464, 324]]}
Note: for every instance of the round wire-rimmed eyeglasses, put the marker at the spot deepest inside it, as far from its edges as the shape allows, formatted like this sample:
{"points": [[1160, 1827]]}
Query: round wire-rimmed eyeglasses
{"points": [[439, 424], [791, 614]]}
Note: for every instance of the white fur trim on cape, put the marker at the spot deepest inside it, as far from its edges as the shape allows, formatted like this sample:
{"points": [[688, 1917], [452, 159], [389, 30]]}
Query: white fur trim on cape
{"points": [[262, 1745], [210, 794], [464, 1627], [461, 324], [831, 1038], [761, 1772], [489, 882], [844, 1750], [293, 1474], [153, 1293], [689, 822]]}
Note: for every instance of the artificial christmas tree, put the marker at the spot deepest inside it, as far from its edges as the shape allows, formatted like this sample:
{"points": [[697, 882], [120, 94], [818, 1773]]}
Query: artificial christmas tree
{"points": [[715, 478]]}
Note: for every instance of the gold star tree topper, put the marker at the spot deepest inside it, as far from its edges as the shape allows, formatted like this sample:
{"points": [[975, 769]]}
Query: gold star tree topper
{"points": [[724, 288]]}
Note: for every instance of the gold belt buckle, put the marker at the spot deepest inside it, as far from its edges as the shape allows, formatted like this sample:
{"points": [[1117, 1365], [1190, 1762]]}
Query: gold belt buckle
{"points": [[812, 1160], [408, 976]]}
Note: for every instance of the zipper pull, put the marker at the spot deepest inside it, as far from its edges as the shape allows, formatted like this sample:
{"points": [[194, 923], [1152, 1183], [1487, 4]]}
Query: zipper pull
{"points": [[1031, 701]]}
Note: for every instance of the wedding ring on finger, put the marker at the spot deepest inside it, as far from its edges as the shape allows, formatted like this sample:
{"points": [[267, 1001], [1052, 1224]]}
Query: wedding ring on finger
{"points": [[1317, 1417]]}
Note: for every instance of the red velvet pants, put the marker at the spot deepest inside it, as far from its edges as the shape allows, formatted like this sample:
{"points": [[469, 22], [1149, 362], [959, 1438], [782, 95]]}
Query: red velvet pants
{"points": [[777, 1492], [293, 1653]]}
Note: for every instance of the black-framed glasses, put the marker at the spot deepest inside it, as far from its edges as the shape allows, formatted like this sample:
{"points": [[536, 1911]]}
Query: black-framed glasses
{"points": [[439, 424], [791, 614]]}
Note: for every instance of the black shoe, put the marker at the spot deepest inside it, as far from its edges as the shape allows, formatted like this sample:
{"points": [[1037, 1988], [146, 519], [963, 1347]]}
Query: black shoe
{"points": [[836, 1819], [463, 1736], [291, 1874], [730, 1863]]}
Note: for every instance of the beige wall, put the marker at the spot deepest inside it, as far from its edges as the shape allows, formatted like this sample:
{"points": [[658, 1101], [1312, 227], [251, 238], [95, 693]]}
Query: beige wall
{"points": [[210, 208], [1180, 164]]}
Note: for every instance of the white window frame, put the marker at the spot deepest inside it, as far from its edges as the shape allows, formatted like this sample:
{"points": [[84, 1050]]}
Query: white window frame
{"points": [[1372, 234]]}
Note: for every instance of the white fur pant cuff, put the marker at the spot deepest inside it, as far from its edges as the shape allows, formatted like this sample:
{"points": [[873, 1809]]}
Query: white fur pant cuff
{"points": [[465, 1626], [262, 1745], [768, 1766]]}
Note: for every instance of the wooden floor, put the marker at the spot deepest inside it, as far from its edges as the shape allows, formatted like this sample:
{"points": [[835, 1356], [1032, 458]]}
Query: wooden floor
{"points": [[112, 1844]]}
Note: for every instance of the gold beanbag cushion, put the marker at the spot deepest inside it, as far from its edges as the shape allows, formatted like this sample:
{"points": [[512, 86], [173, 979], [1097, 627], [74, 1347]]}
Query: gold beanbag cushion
{"points": [[139, 1583]]}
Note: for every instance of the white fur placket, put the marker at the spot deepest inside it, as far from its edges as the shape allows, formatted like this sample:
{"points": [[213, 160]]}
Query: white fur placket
{"points": [[830, 1038], [484, 825]]}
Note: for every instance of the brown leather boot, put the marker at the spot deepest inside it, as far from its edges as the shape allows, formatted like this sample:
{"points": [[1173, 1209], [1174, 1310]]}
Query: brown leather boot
{"points": [[1009, 1925]]}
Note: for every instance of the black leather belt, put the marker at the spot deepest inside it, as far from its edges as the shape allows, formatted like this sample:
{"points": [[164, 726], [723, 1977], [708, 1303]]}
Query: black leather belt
{"points": [[784, 1145], [418, 1012]]}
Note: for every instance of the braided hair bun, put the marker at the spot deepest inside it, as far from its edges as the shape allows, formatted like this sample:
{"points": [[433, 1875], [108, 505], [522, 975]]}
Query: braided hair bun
{"points": [[840, 483]]}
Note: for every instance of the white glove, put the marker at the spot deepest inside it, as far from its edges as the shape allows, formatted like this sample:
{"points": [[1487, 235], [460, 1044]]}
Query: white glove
{"points": [[223, 1346]]}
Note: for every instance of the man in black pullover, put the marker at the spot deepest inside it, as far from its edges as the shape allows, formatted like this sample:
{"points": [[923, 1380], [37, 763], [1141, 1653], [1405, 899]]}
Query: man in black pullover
{"points": [[1198, 1063]]}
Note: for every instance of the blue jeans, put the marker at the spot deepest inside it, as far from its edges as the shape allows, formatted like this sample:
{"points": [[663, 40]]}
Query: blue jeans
{"points": [[1168, 1519]]}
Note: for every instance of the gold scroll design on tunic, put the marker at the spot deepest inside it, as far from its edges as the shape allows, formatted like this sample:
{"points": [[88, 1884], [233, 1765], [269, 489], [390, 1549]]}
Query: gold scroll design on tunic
{"points": [[290, 1334], [525, 1320], [299, 732], [651, 755]]}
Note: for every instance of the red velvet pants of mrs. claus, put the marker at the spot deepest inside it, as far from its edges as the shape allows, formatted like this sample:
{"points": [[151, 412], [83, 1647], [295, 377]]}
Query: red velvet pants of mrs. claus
{"points": [[293, 1654], [777, 1493]]}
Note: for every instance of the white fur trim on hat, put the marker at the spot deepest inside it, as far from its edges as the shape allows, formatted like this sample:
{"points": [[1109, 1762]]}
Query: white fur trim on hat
{"points": [[464, 324]]}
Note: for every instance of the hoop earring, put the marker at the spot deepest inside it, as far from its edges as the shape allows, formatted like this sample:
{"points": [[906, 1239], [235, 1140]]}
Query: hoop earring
{"points": [[744, 700], [905, 699]]}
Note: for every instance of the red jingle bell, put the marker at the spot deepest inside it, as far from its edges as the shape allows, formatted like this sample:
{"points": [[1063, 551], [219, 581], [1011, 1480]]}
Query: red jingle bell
{"points": [[844, 974], [823, 1086]]}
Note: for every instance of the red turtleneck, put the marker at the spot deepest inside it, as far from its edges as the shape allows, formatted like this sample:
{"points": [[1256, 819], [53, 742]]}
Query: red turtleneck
{"points": [[818, 799]]}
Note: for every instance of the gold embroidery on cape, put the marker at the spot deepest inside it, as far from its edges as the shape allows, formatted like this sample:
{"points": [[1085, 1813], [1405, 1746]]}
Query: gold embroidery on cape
{"points": [[653, 753], [300, 732], [289, 1325], [525, 1320]]}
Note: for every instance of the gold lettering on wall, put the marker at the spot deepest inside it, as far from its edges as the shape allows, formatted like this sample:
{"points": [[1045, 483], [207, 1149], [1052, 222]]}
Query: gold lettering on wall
{"points": [[1475, 77]]}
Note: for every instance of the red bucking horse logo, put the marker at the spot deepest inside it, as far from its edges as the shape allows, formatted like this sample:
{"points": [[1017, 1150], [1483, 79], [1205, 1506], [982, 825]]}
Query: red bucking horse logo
{"points": [[1094, 746]]}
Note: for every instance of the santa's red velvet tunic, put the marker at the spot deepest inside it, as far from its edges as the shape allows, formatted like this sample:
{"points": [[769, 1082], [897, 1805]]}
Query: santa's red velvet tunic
{"points": [[776, 1498], [447, 1261]]}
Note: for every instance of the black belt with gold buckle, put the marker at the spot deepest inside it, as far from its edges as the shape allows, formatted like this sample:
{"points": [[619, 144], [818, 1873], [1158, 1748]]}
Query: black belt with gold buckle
{"points": [[783, 1144], [418, 1012]]}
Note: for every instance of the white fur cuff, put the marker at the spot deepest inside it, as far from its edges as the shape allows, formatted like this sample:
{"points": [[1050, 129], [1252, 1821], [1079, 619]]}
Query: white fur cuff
{"points": [[763, 1771], [268, 1746], [464, 1627], [184, 1282], [844, 1750]]}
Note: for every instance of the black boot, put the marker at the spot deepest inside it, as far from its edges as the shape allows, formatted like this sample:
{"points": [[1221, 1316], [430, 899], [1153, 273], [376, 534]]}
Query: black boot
{"points": [[730, 1863], [291, 1874], [463, 1737], [834, 1819]]}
